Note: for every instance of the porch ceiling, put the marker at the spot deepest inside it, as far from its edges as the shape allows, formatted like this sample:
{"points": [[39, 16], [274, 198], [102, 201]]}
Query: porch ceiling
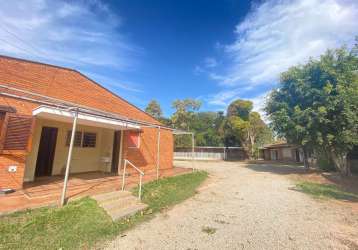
{"points": [[84, 118]]}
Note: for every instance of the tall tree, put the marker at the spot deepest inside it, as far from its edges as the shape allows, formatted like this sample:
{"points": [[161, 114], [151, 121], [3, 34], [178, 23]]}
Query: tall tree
{"points": [[183, 118], [153, 108], [243, 127], [316, 105], [240, 108], [257, 132], [184, 112], [234, 130], [206, 125]]}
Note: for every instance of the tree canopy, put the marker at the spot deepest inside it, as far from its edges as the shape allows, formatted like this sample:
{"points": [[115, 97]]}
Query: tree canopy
{"points": [[316, 105], [153, 108], [240, 108], [243, 127], [184, 113], [240, 127]]}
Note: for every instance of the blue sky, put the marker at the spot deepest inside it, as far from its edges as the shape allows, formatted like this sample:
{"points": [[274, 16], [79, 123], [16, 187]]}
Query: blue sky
{"points": [[214, 51]]}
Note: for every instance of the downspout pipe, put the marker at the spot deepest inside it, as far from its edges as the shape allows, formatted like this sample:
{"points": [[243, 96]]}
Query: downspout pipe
{"points": [[158, 153], [69, 156]]}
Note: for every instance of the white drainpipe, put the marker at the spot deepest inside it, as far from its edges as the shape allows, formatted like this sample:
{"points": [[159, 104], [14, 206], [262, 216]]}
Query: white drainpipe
{"points": [[158, 153]]}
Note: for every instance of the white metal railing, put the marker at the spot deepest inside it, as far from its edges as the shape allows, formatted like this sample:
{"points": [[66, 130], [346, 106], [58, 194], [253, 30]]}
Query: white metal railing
{"points": [[141, 174]]}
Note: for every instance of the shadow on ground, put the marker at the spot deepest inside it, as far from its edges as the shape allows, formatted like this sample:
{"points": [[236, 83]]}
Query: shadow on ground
{"points": [[314, 181], [280, 168]]}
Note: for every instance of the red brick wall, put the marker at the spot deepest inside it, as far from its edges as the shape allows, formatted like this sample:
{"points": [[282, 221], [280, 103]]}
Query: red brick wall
{"points": [[12, 180], [65, 84], [70, 85], [145, 157]]}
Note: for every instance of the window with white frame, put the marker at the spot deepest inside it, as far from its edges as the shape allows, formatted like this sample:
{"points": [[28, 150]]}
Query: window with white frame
{"points": [[82, 139], [78, 138], [89, 140]]}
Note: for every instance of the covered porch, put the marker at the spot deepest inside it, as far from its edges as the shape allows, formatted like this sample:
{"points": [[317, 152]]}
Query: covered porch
{"points": [[97, 143], [46, 191]]}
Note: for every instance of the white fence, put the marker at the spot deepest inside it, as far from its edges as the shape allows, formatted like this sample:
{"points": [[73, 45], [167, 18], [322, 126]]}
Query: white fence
{"points": [[211, 153], [198, 156]]}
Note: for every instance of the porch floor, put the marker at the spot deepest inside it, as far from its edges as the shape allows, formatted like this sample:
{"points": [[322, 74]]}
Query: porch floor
{"points": [[46, 191]]}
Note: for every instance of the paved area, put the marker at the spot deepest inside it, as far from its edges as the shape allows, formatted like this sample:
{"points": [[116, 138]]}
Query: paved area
{"points": [[47, 191], [246, 207]]}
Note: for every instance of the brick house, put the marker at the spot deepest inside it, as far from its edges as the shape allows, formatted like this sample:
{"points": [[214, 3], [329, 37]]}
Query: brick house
{"points": [[281, 151], [38, 103]]}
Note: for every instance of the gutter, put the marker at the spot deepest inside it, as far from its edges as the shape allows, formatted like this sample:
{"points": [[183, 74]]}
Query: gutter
{"points": [[65, 104]]}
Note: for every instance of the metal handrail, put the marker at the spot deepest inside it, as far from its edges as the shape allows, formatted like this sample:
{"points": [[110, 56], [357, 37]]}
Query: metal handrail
{"points": [[141, 174]]}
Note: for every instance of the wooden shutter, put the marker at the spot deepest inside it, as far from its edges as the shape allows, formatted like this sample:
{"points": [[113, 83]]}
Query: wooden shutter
{"points": [[16, 132]]}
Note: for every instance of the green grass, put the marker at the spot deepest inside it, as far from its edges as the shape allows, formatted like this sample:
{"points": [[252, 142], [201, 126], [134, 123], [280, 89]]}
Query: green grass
{"points": [[82, 224], [325, 191]]}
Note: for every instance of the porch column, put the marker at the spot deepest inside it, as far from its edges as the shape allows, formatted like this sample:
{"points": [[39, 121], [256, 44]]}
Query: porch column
{"points": [[192, 146], [158, 152], [63, 197], [120, 153]]}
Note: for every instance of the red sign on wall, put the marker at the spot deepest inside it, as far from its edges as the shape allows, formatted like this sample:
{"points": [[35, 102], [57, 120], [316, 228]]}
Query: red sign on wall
{"points": [[133, 139]]}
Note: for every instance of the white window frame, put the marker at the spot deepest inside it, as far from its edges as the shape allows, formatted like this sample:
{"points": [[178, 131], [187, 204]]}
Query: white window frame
{"points": [[82, 136]]}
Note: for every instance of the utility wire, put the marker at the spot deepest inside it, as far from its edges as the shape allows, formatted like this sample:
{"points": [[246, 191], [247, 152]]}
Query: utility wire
{"points": [[18, 47], [26, 43]]}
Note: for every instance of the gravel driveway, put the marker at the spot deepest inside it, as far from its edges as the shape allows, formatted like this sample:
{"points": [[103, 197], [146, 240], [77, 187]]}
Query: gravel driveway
{"points": [[245, 206]]}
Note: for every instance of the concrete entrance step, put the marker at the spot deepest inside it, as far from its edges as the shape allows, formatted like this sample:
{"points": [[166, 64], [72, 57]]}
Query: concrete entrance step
{"points": [[119, 204]]}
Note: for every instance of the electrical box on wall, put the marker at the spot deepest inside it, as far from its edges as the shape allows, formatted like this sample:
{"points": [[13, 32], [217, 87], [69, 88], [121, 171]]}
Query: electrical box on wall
{"points": [[12, 169]]}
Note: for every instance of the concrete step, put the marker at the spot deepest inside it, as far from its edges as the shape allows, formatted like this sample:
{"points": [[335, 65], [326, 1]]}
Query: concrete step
{"points": [[122, 202], [111, 196], [119, 204], [128, 211]]}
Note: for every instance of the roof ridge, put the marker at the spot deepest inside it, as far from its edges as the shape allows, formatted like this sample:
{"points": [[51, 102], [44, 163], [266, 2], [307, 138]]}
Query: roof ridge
{"points": [[83, 75], [37, 62]]}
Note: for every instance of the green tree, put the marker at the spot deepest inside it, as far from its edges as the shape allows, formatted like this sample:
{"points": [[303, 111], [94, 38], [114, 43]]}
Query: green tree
{"points": [[184, 113], [153, 108], [316, 105], [245, 128], [183, 117], [240, 108], [234, 130], [206, 126], [258, 133]]}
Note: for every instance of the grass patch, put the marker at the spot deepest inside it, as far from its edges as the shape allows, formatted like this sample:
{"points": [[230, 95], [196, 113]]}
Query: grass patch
{"points": [[209, 230], [329, 191], [82, 224], [172, 190]]}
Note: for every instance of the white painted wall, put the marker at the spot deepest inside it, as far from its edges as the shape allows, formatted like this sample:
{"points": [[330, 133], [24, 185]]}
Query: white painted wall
{"points": [[83, 159]]}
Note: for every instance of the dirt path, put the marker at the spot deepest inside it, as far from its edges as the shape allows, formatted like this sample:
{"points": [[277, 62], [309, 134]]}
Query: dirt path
{"points": [[241, 207]]}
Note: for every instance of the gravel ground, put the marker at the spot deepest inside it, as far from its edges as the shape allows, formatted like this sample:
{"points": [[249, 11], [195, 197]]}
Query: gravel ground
{"points": [[245, 206]]}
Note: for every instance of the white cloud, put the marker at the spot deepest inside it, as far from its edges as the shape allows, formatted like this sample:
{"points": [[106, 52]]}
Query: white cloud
{"points": [[114, 82], [278, 34], [259, 104], [75, 34]]}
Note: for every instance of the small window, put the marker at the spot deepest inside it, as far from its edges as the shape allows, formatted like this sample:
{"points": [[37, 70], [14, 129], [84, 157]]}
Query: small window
{"points": [[89, 140], [133, 139], [78, 138]]}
